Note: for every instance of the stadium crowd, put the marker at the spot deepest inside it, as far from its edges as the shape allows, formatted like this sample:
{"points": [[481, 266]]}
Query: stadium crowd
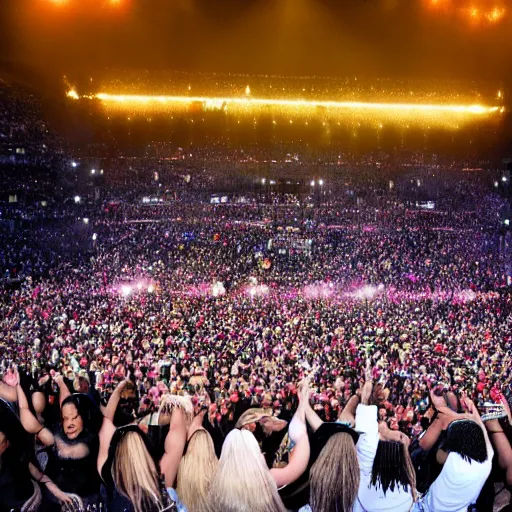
{"points": [[182, 355]]}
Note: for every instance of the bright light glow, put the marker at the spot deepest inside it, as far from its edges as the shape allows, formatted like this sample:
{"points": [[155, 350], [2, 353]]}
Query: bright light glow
{"points": [[151, 288], [74, 165], [93, 171], [72, 94], [495, 15], [507, 222], [218, 289], [139, 286], [86, 220], [321, 182], [77, 199], [247, 91], [126, 290], [312, 183], [263, 181], [95, 236], [504, 179], [496, 184], [133, 99]]}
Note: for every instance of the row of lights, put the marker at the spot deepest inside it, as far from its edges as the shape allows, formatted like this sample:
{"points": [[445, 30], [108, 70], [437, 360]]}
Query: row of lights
{"points": [[312, 183], [75, 164], [66, 2]]}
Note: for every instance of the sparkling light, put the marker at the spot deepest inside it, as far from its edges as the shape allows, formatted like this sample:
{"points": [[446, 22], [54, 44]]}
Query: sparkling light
{"points": [[134, 99], [126, 290], [495, 15], [73, 94]]}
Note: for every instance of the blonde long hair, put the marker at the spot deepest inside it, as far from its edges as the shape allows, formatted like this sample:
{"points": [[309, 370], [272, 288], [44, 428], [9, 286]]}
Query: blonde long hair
{"points": [[135, 475], [196, 469], [334, 477], [242, 480]]}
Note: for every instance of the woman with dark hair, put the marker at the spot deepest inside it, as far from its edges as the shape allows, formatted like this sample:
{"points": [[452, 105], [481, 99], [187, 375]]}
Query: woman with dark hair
{"points": [[387, 478], [70, 474], [18, 490], [466, 456]]}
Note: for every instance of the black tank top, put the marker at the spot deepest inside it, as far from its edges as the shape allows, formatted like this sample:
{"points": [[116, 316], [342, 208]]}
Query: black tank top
{"points": [[75, 476]]}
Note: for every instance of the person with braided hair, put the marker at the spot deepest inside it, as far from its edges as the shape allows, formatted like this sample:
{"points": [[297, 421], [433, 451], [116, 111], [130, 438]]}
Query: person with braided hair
{"points": [[387, 478]]}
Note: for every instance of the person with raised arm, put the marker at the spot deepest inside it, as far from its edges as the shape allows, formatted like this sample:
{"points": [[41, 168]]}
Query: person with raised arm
{"points": [[387, 478], [72, 445]]}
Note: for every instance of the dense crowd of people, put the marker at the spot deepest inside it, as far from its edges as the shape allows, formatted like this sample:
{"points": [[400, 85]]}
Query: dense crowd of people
{"points": [[288, 351]]}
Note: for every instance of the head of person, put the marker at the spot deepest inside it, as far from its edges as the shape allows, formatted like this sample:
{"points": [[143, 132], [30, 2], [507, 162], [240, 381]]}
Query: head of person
{"points": [[334, 477], [79, 414], [134, 471], [466, 438], [242, 480], [392, 468], [196, 469]]}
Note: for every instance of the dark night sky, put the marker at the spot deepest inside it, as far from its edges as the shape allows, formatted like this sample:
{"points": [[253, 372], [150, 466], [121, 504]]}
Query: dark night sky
{"points": [[385, 38]]}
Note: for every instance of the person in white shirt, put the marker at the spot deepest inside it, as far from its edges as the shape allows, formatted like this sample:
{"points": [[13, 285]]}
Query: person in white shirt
{"points": [[467, 462], [387, 478]]}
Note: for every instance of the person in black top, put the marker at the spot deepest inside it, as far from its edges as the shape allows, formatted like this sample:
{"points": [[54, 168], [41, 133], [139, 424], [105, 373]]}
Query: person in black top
{"points": [[73, 445]]}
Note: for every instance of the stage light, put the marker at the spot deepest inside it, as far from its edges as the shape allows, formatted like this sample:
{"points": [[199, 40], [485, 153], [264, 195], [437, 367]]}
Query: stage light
{"points": [[94, 237], [126, 290], [74, 165], [321, 182], [72, 94], [151, 288], [507, 222], [86, 220], [496, 184], [504, 179], [93, 171], [77, 199], [263, 181], [312, 183], [218, 289]]}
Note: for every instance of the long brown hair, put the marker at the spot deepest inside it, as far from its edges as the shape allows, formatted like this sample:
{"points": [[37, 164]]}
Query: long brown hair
{"points": [[334, 477]]}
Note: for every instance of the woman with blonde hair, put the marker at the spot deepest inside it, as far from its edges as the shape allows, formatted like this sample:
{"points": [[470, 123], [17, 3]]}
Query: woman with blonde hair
{"points": [[243, 480], [197, 466], [129, 471]]}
